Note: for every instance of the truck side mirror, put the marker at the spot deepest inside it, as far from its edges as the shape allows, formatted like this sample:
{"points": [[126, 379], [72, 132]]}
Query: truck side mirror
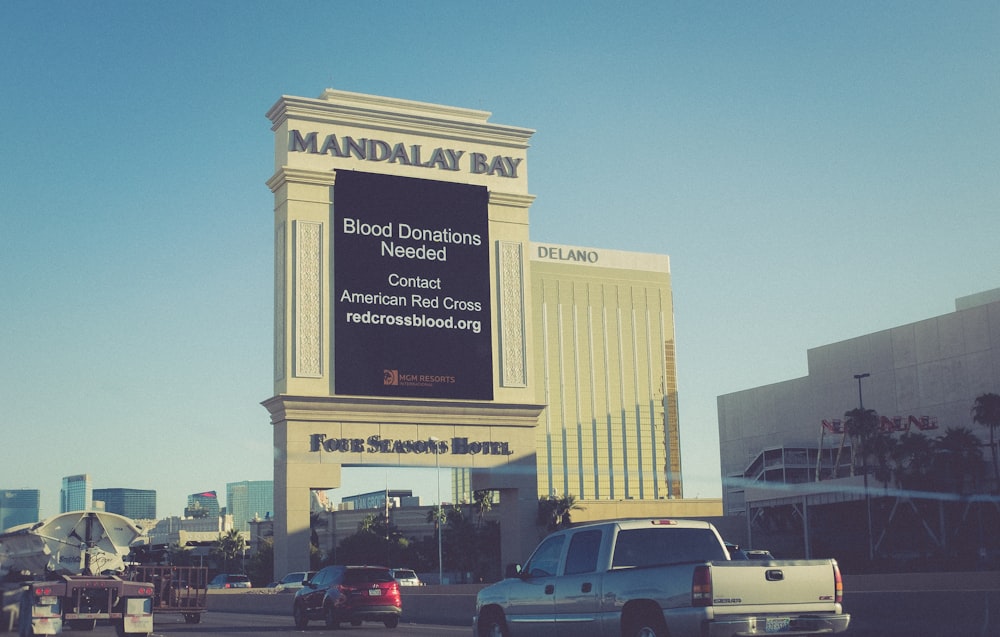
{"points": [[512, 570]]}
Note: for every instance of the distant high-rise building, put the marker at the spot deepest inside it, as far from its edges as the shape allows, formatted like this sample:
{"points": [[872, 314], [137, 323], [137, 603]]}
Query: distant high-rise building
{"points": [[18, 506], [247, 499], [76, 493], [202, 505], [136, 504]]}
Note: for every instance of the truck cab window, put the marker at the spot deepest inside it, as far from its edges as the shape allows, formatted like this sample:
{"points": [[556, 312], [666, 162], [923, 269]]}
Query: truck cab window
{"points": [[545, 561], [583, 550]]}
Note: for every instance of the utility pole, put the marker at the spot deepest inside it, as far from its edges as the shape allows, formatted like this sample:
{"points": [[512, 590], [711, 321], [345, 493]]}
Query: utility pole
{"points": [[868, 499], [440, 525]]}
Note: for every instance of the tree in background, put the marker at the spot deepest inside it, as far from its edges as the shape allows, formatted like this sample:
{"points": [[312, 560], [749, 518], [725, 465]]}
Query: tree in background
{"points": [[376, 542], [914, 457], [986, 412], [554, 512], [260, 566], [178, 555], [862, 427], [228, 547], [883, 445], [482, 503], [958, 459]]}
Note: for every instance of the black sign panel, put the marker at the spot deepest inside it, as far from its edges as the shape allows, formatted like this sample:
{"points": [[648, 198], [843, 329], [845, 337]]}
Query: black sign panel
{"points": [[411, 288]]}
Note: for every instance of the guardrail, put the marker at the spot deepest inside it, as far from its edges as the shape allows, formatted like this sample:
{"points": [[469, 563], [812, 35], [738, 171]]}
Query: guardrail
{"points": [[911, 604], [450, 605]]}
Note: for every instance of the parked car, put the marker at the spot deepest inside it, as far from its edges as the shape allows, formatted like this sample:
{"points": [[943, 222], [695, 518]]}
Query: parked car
{"points": [[406, 577], [229, 580], [293, 581], [354, 594]]}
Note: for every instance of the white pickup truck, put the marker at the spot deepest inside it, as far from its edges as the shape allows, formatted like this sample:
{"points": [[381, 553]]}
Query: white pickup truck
{"points": [[653, 578]]}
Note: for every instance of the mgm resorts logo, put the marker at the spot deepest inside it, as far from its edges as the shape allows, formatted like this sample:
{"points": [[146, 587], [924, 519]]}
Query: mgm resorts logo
{"points": [[393, 378]]}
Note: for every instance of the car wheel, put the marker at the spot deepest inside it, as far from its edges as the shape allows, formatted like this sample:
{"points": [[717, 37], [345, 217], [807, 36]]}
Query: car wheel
{"points": [[645, 625], [331, 618], [391, 621], [299, 616], [492, 624]]}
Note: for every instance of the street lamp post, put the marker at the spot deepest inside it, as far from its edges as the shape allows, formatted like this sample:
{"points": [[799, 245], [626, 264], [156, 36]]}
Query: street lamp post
{"points": [[858, 377], [437, 478], [868, 499]]}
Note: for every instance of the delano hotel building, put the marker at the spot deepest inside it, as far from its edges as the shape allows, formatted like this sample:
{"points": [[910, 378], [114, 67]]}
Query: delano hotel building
{"points": [[605, 362], [604, 343]]}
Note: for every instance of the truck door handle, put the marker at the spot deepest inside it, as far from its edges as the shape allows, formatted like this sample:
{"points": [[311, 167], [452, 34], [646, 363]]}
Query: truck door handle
{"points": [[774, 575], [585, 587], [549, 589]]}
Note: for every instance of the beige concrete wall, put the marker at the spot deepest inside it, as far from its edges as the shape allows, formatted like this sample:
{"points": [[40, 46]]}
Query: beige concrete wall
{"points": [[592, 510]]}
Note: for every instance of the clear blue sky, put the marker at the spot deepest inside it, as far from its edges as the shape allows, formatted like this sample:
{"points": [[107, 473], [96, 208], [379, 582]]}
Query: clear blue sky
{"points": [[815, 171]]}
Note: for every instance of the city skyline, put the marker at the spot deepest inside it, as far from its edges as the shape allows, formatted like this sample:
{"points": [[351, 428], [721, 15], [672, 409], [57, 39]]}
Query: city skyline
{"points": [[814, 172]]}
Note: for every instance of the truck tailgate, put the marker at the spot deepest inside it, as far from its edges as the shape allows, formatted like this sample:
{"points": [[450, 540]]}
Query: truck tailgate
{"points": [[785, 585]]}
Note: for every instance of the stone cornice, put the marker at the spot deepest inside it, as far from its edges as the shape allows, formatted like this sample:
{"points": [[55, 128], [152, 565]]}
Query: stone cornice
{"points": [[398, 116], [399, 411], [510, 199], [286, 174]]}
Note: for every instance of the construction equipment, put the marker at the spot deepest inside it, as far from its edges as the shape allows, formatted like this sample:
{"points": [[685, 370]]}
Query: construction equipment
{"points": [[69, 570]]}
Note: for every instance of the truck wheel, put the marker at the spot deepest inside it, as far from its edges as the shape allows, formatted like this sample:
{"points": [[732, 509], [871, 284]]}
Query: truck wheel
{"points": [[492, 624], [24, 628], [391, 621], [645, 625], [299, 617]]}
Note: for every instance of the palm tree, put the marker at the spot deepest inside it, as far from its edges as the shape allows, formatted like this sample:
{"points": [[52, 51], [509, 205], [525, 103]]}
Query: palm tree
{"points": [[882, 447], [862, 426], [986, 412], [960, 456], [228, 546], [554, 512], [914, 456], [482, 502]]}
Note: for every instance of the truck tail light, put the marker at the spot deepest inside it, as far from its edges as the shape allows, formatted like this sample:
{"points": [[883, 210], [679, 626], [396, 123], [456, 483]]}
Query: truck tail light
{"points": [[838, 584], [701, 586]]}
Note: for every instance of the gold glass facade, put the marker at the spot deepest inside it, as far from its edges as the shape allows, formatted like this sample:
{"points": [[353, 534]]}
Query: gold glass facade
{"points": [[604, 365]]}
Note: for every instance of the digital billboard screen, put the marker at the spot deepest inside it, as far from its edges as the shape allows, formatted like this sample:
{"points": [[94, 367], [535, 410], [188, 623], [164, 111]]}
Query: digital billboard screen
{"points": [[411, 300]]}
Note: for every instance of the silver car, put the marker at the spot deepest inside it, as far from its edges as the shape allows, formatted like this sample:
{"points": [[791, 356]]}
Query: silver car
{"points": [[405, 577], [293, 581]]}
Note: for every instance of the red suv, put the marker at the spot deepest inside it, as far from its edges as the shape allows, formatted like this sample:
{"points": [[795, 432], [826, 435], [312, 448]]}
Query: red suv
{"points": [[352, 594]]}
